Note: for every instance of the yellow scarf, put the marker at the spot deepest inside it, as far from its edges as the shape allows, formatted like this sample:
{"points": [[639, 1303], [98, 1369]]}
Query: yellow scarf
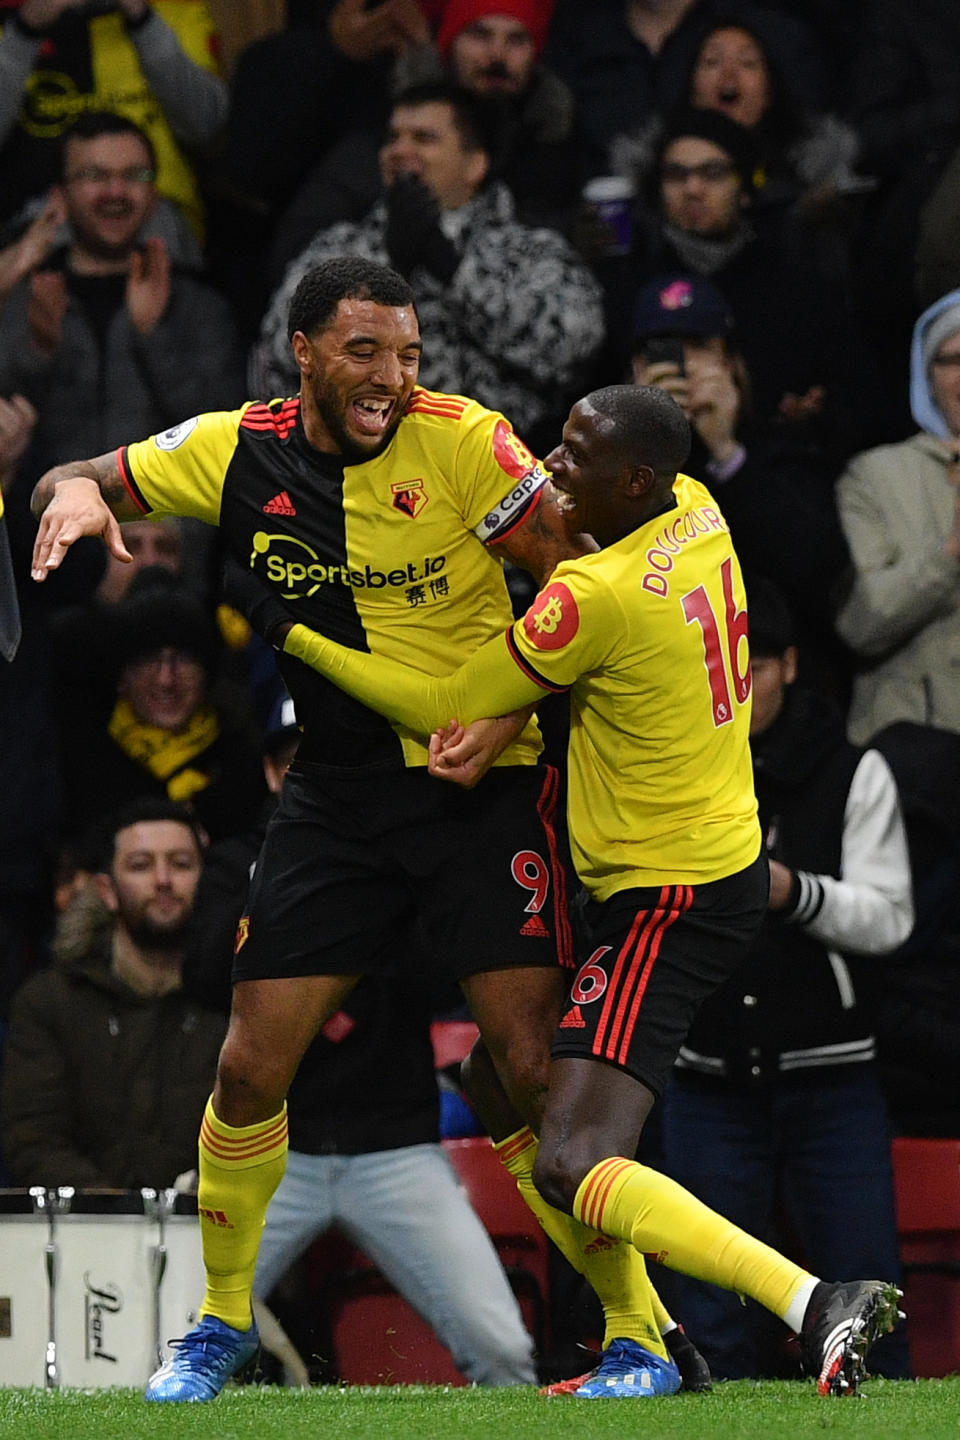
{"points": [[164, 753]]}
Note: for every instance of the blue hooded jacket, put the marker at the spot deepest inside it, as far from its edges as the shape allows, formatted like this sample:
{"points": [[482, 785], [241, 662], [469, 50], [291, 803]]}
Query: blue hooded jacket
{"points": [[933, 327]]}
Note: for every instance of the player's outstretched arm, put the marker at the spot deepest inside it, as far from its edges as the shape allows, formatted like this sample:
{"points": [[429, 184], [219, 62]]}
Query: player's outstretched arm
{"points": [[84, 497], [490, 683]]}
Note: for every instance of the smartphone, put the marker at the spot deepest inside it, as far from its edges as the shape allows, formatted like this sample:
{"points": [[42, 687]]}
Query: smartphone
{"points": [[664, 350]]}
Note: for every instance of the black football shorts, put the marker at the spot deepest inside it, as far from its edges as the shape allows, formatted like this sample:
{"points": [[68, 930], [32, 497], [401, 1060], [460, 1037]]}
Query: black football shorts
{"points": [[654, 955], [370, 874]]}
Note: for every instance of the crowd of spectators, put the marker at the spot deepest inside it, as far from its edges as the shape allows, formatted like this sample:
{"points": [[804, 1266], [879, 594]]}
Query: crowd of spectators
{"points": [[781, 256]]}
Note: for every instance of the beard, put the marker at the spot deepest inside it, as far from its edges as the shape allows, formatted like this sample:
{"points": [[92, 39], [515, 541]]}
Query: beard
{"points": [[148, 935], [330, 409]]}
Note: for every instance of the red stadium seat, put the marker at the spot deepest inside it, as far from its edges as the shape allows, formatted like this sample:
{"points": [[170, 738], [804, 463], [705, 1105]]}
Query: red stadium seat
{"points": [[377, 1337], [452, 1041], [927, 1181]]}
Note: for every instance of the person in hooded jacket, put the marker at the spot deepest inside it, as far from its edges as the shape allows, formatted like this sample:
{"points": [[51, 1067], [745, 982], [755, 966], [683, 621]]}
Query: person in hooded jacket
{"points": [[899, 507]]}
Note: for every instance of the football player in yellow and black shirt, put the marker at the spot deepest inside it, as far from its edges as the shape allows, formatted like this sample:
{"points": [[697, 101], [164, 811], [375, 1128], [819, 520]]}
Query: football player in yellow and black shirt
{"points": [[649, 634], [379, 513]]}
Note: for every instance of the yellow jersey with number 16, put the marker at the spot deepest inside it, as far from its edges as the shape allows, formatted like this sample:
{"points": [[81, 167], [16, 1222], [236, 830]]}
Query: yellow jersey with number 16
{"points": [[650, 636]]}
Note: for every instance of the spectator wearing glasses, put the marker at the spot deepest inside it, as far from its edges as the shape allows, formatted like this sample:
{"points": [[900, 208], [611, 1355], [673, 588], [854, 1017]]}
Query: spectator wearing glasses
{"points": [[154, 63], [104, 332], [792, 320]]}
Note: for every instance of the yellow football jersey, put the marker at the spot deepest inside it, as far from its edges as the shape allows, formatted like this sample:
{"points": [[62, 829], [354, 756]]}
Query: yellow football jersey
{"points": [[650, 635], [650, 638], [388, 555]]}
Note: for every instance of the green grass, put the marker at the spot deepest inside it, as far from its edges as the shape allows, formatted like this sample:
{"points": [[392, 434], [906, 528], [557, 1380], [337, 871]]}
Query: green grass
{"points": [[770, 1410]]}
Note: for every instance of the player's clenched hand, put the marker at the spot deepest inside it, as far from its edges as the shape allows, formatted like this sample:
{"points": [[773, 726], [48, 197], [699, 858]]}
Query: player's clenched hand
{"points": [[464, 754], [77, 509]]}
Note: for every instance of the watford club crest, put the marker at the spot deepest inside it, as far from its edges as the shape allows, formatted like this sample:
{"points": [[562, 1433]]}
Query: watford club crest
{"points": [[409, 497], [243, 933]]}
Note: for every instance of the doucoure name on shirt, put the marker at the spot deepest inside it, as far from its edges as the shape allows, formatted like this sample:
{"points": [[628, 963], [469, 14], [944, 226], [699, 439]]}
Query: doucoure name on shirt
{"points": [[671, 540]]}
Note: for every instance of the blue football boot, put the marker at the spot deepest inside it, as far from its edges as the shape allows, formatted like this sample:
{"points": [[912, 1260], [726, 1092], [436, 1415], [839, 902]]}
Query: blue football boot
{"points": [[203, 1361], [626, 1370]]}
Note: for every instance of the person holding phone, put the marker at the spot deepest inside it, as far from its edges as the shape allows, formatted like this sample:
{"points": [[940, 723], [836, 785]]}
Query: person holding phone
{"points": [[683, 332], [776, 491]]}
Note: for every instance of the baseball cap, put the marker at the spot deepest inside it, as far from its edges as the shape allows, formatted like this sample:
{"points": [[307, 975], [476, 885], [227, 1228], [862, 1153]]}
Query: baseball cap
{"points": [[681, 305]]}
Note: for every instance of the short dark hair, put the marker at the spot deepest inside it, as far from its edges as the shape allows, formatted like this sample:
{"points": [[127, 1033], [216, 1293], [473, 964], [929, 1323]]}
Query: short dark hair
{"points": [[347, 277], [473, 116], [143, 810], [651, 427], [91, 124]]}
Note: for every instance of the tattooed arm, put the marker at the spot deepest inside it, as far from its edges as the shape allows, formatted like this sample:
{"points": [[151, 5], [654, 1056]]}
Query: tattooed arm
{"points": [[542, 541], [84, 497]]}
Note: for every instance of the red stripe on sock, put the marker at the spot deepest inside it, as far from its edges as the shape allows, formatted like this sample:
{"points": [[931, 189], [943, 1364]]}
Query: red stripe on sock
{"points": [[599, 1184], [509, 1150], [226, 1147]]}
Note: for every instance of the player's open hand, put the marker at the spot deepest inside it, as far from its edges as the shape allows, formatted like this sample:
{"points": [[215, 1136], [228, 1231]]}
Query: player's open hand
{"points": [[77, 509]]}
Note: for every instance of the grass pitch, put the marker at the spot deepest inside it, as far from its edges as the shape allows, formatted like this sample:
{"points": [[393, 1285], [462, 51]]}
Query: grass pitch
{"points": [[769, 1410]]}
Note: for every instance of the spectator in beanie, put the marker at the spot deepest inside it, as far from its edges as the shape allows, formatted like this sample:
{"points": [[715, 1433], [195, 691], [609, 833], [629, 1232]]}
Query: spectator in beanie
{"points": [[158, 729]]}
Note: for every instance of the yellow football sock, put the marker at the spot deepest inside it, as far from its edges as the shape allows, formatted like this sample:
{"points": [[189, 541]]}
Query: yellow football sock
{"points": [[239, 1170], [669, 1224], [616, 1271], [661, 1315]]}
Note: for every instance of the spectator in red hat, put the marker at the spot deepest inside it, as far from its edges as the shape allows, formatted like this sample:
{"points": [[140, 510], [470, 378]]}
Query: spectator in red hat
{"points": [[532, 15], [491, 48]]}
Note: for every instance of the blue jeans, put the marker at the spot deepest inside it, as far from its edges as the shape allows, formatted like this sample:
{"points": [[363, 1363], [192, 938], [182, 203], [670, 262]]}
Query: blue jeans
{"points": [[408, 1212], [813, 1150]]}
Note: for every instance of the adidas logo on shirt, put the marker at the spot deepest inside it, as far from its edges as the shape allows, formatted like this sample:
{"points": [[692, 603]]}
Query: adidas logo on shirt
{"points": [[280, 505]]}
